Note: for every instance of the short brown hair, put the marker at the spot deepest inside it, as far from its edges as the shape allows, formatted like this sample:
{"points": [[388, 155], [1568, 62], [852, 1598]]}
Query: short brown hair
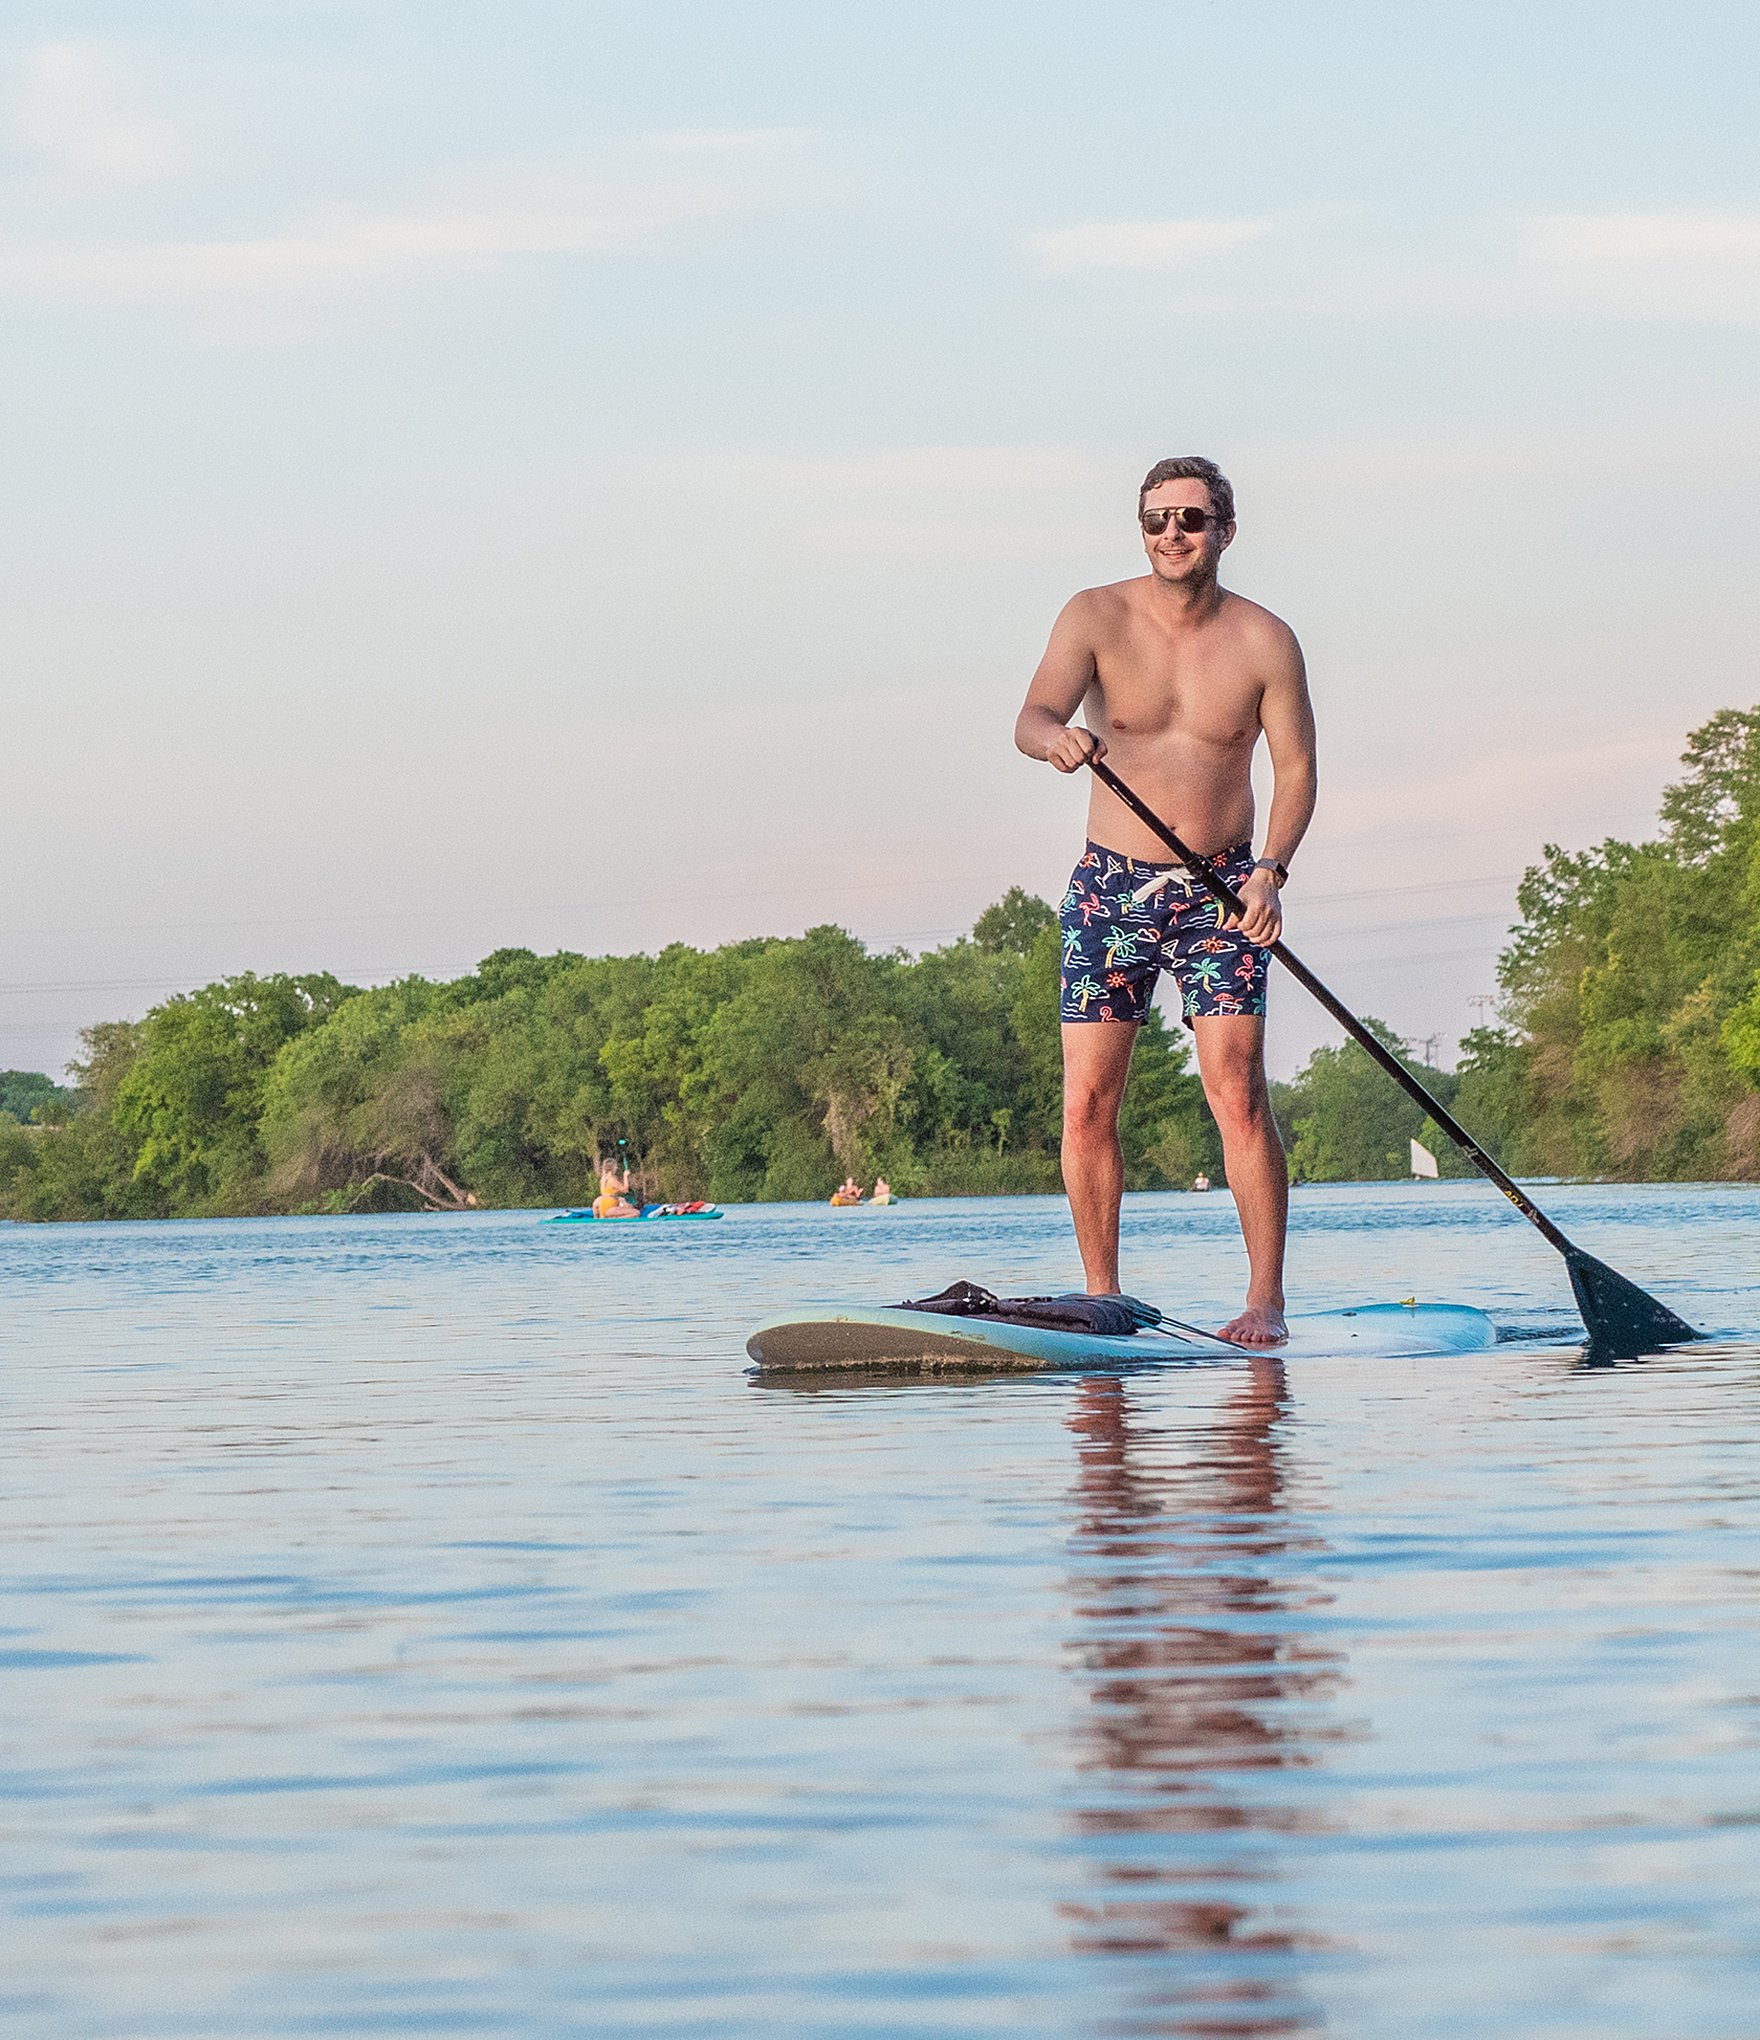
{"points": [[1192, 467]]}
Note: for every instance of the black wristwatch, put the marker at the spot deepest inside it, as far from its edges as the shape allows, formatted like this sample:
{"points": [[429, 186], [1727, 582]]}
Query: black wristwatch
{"points": [[1278, 871]]}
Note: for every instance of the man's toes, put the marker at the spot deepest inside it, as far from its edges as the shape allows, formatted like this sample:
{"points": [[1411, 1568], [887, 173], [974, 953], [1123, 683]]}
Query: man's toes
{"points": [[1255, 1328]]}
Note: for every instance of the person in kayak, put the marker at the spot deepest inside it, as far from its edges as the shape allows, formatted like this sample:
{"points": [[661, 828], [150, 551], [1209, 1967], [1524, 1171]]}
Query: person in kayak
{"points": [[1177, 678]]}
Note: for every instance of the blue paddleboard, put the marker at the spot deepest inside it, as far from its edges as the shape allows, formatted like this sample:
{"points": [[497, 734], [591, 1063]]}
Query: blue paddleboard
{"points": [[920, 1342], [649, 1211]]}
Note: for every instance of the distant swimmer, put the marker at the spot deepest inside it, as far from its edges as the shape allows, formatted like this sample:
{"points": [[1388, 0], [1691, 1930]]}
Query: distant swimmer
{"points": [[613, 1198], [1177, 678], [848, 1192], [881, 1192]]}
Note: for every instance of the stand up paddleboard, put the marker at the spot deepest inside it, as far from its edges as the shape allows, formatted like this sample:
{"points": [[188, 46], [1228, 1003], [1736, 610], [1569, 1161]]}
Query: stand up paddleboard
{"points": [[653, 1211], [915, 1342]]}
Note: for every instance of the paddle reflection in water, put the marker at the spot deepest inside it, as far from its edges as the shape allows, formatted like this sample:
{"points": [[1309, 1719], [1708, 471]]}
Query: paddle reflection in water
{"points": [[1204, 1695]]}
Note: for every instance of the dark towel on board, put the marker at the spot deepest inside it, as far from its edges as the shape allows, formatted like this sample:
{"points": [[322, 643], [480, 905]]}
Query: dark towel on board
{"points": [[1106, 1317]]}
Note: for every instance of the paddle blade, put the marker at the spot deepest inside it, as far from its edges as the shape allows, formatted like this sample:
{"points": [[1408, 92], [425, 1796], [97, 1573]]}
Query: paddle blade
{"points": [[1622, 1319]]}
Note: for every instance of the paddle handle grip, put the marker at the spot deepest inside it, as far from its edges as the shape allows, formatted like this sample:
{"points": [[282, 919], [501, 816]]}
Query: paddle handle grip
{"points": [[1213, 883]]}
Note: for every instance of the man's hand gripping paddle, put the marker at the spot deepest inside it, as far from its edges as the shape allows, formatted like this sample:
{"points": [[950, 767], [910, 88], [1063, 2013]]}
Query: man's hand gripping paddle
{"points": [[1622, 1320]]}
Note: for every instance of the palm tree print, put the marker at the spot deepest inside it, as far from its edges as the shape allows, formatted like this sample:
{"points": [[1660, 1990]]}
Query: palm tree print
{"points": [[1121, 946], [1085, 989]]}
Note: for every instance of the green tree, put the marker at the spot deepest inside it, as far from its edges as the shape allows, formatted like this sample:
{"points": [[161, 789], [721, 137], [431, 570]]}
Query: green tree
{"points": [[192, 1095], [24, 1094], [1014, 923], [1352, 1124], [1627, 978], [363, 1099]]}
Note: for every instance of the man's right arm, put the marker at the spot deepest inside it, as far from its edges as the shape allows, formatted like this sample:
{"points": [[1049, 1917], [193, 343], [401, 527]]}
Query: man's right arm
{"points": [[1059, 688]]}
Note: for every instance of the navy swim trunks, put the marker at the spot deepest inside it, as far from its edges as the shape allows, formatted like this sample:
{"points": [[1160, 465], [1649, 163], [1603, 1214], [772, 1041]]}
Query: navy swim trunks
{"points": [[1124, 922]]}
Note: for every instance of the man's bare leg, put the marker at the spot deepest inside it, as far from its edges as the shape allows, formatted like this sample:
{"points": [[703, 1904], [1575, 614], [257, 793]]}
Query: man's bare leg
{"points": [[1096, 1062], [1231, 1061]]}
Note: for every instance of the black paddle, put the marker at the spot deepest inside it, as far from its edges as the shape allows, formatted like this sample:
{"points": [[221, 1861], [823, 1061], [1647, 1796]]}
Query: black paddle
{"points": [[1622, 1320]]}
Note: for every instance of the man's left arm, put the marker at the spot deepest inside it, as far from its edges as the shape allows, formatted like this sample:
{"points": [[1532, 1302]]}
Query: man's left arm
{"points": [[1287, 717]]}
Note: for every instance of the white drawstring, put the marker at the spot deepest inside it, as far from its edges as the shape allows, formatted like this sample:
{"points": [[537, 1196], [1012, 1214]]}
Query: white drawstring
{"points": [[1145, 892]]}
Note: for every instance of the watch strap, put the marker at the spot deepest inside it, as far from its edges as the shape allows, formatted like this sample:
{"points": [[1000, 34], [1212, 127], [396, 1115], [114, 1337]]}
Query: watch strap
{"points": [[1278, 871]]}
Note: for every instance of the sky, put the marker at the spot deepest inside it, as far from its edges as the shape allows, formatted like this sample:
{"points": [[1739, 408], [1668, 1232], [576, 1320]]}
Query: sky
{"points": [[594, 476]]}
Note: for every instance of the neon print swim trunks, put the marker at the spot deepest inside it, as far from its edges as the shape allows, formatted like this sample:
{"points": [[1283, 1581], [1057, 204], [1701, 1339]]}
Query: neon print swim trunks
{"points": [[1124, 922]]}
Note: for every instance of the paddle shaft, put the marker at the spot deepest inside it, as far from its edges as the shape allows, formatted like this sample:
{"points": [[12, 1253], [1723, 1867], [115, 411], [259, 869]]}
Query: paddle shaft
{"points": [[1207, 876]]}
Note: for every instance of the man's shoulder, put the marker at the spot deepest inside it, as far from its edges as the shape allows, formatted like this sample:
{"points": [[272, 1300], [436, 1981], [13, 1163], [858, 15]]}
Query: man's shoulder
{"points": [[1256, 624], [1106, 603]]}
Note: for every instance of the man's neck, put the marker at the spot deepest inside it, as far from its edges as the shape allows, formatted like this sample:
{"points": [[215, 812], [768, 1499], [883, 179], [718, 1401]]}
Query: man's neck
{"points": [[1184, 603]]}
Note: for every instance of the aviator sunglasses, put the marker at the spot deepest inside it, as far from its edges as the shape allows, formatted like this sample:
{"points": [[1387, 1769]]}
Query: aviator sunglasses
{"points": [[1185, 515]]}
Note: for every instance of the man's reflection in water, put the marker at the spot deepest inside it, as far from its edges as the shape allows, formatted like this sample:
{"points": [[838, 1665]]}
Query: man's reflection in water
{"points": [[1199, 1687]]}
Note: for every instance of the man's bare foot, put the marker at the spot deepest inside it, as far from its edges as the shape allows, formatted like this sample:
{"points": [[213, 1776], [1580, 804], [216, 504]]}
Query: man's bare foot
{"points": [[1260, 1324]]}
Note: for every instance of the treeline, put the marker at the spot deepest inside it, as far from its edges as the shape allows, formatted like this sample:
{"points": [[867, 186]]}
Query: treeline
{"points": [[1629, 1040], [1629, 1046], [760, 1070], [1630, 1043], [1342, 1121]]}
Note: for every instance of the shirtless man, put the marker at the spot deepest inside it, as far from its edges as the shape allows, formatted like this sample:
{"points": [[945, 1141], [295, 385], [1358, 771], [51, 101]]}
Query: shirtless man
{"points": [[1176, 677]]}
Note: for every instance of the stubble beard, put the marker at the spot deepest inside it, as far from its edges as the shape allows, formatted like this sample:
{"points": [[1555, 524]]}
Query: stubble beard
{"points": [[1194, 573]]}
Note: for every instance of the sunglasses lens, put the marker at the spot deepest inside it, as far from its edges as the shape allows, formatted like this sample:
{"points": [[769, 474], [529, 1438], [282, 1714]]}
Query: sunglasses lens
{"points": [[1186, 517]]}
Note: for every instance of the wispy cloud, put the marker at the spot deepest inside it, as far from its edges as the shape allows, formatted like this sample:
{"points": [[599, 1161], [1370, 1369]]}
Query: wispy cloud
{"points": [[1653, 265], [79, 109], [1141, 244], [326, 254], [522, 211]]}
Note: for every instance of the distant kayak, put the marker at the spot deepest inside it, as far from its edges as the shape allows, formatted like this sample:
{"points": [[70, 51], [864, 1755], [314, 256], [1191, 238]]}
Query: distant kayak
{"points": [[905, 1341], [590, 1217]]}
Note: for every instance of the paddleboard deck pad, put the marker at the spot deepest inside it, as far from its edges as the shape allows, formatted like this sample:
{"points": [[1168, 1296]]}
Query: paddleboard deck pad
{"points": [[853, 1340]]}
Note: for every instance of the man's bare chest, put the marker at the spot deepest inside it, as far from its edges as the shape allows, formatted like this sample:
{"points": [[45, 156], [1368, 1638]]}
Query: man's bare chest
{"points": [[1155, 690]]}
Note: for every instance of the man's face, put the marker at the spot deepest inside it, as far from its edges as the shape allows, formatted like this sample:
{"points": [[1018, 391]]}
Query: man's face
{"points": [[1176, 555]]}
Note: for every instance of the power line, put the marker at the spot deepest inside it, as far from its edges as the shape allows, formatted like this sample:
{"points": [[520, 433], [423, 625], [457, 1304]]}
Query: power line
{"points": [[836, 887], [382, 972]]}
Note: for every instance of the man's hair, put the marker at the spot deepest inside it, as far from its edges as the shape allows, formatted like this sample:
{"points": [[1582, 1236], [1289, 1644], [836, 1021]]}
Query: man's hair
{"points": [[1192, 467]]}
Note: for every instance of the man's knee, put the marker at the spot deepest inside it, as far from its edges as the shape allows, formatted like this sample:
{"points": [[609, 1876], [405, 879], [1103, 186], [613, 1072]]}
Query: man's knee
{"points": [[1090, 1110], [1239, 1099]]}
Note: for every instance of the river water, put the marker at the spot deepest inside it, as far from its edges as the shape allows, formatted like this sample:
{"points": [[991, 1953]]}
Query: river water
{"points": [[423, 1625]]}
